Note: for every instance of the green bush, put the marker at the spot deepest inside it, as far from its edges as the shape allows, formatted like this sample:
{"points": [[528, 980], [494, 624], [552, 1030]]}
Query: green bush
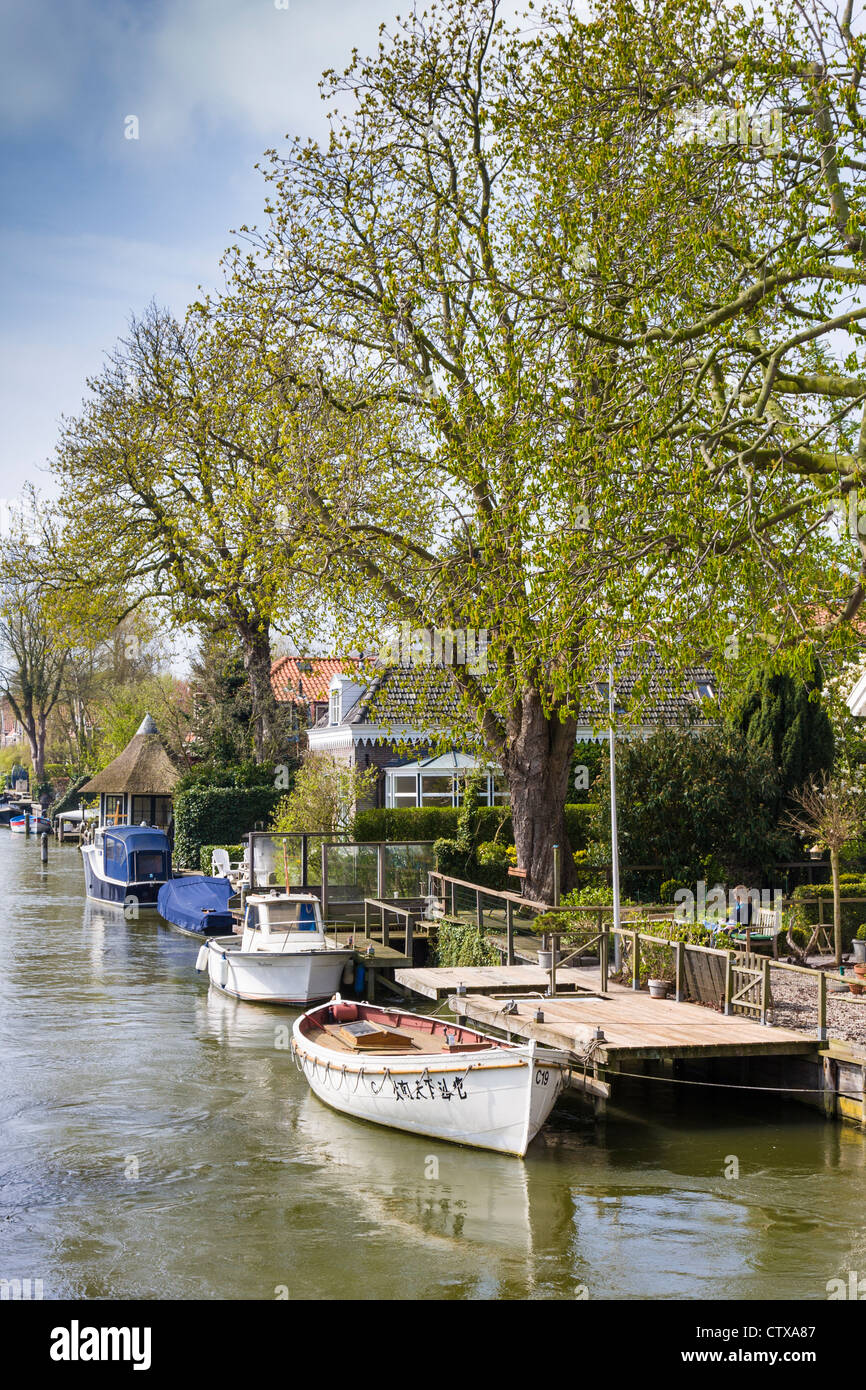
{"points": [[861, 932], [461, 943], [217, 815], [235, 853]]}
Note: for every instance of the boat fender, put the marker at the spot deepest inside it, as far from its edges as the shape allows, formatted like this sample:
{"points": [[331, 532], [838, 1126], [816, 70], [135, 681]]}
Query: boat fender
{"points": [[348, 974], [201, 958], [344, 1012], [222, 971]]}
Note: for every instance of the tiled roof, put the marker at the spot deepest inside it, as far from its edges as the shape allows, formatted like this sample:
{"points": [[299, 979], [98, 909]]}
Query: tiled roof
{"points": [[425, 697], [292, 681]]}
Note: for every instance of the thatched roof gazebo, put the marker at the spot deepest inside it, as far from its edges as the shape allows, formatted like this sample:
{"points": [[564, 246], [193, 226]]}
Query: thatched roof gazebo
{"points": [[136, 788]]}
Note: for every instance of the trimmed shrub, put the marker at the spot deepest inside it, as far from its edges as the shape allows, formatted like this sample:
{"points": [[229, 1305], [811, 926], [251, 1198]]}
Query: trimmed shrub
{"points": [[440, 822], [217, 815]]}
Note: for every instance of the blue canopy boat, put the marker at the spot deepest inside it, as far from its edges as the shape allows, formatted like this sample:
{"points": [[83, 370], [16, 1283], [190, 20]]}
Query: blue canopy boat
{"points": [[198, 904], [127, 863]]}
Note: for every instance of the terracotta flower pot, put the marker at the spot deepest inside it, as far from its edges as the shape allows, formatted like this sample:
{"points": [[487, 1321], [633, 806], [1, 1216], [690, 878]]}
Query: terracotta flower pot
{"points": [[860, 970], [857, 987]]}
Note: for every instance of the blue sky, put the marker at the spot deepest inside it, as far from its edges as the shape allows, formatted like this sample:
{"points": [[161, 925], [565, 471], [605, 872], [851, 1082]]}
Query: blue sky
{"points": [[94, 224]]}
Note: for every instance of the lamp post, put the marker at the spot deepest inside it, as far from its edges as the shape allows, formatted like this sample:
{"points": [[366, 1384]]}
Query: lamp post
{"points": [[614, 838]]}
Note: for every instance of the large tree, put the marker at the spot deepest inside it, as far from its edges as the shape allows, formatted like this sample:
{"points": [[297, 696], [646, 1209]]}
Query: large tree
{"points": [[33, 659], [170, 494], [629, 365]]}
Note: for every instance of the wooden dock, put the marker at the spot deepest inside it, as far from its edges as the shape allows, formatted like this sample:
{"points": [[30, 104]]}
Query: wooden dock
{"points": [[627, 1025], [439, 983]]}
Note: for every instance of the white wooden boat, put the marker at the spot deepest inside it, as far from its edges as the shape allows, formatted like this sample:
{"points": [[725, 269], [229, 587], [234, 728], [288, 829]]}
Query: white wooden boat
{"points": [[428, 1076], [283, 955]]}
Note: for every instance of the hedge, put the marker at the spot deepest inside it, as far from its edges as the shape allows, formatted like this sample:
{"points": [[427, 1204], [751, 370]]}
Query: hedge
{"points": [[235, 853], [440, 823], [217, 815]]}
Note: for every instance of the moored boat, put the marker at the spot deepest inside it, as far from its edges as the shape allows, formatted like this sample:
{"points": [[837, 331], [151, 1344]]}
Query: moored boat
{"points": [[283, 955], [428, 1076], [39, 825], [197, 904], [127, 864]]}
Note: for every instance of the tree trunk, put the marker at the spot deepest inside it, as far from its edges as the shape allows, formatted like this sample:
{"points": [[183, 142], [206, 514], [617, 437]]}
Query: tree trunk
{"points": [[837, 906], [256, 644], [536, 762]]}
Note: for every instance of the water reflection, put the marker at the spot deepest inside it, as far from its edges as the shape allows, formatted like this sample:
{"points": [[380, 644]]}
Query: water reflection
{"points": [[156, 1141]]}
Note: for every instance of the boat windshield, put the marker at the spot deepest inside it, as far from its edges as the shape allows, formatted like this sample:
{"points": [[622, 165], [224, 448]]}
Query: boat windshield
{"points": [[283, 917], [150, 863]]}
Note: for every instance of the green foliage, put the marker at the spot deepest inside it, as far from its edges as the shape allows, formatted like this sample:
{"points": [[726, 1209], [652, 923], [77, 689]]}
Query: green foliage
{"points": [[786, 718], [591, 755], [860, 934], [702, 805], [805, 915], [215, 815], [235, 853], [324, 795], [461, 943], [670, 887]]}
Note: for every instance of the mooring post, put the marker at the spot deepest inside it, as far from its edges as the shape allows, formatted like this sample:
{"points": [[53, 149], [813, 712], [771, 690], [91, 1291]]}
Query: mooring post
{"points": [[43, 847], [27, 815], [729, 981], [822, 1006]]}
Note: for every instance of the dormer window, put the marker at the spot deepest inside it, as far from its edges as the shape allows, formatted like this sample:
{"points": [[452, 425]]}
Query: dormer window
{"points": [[335, 712]]}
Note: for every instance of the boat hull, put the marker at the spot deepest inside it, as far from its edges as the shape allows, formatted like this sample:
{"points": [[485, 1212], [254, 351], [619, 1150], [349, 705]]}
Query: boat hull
{"points": [[106, 890], [492, 1099], [300, 978]]}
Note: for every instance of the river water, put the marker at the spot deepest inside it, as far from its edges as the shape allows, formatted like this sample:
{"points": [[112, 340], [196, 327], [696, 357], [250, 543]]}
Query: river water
{"points": [[157, 1142]]}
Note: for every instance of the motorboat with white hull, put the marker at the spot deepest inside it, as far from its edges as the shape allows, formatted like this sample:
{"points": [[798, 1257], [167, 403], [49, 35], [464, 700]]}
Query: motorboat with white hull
{"points": [[282, 956], [428, 1076], [127, 864]]}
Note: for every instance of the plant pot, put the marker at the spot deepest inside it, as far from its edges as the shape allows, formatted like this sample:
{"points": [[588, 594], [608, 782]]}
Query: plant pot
{"points": [[658, 989], [857, 986], [859, 948], [545, 957], [860, 970]]}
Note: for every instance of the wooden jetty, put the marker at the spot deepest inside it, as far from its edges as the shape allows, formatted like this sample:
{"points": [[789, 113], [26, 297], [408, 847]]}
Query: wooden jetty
{"points": [[625, 1031], [439, 983]]}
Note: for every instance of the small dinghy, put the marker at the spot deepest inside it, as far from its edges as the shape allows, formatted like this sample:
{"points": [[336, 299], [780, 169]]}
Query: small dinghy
{"points": [[198, 904], [39, 825], [428, 1076], [283, 955]]}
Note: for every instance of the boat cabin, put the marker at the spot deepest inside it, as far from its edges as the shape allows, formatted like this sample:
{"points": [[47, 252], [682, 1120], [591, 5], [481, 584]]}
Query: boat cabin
{"points": [[127, 862], [283, 922]]}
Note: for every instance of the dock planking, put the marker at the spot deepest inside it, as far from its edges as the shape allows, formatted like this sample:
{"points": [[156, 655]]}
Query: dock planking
{"points": [[438, 983], [634, 1026]]}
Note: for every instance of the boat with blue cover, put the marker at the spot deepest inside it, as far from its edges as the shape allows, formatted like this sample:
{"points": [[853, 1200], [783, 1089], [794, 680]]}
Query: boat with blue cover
{"points": [[127, 864], [196, 903]]}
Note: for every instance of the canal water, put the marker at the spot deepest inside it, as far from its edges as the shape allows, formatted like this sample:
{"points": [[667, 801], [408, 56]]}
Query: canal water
{"points": [[157, 1142]]}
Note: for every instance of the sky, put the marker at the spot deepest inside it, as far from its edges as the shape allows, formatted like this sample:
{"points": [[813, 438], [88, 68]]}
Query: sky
{"points": [[130, 132]]}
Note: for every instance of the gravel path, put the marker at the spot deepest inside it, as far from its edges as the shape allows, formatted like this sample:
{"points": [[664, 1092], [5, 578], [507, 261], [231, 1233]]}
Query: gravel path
{"points": [[795, 1003]]}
